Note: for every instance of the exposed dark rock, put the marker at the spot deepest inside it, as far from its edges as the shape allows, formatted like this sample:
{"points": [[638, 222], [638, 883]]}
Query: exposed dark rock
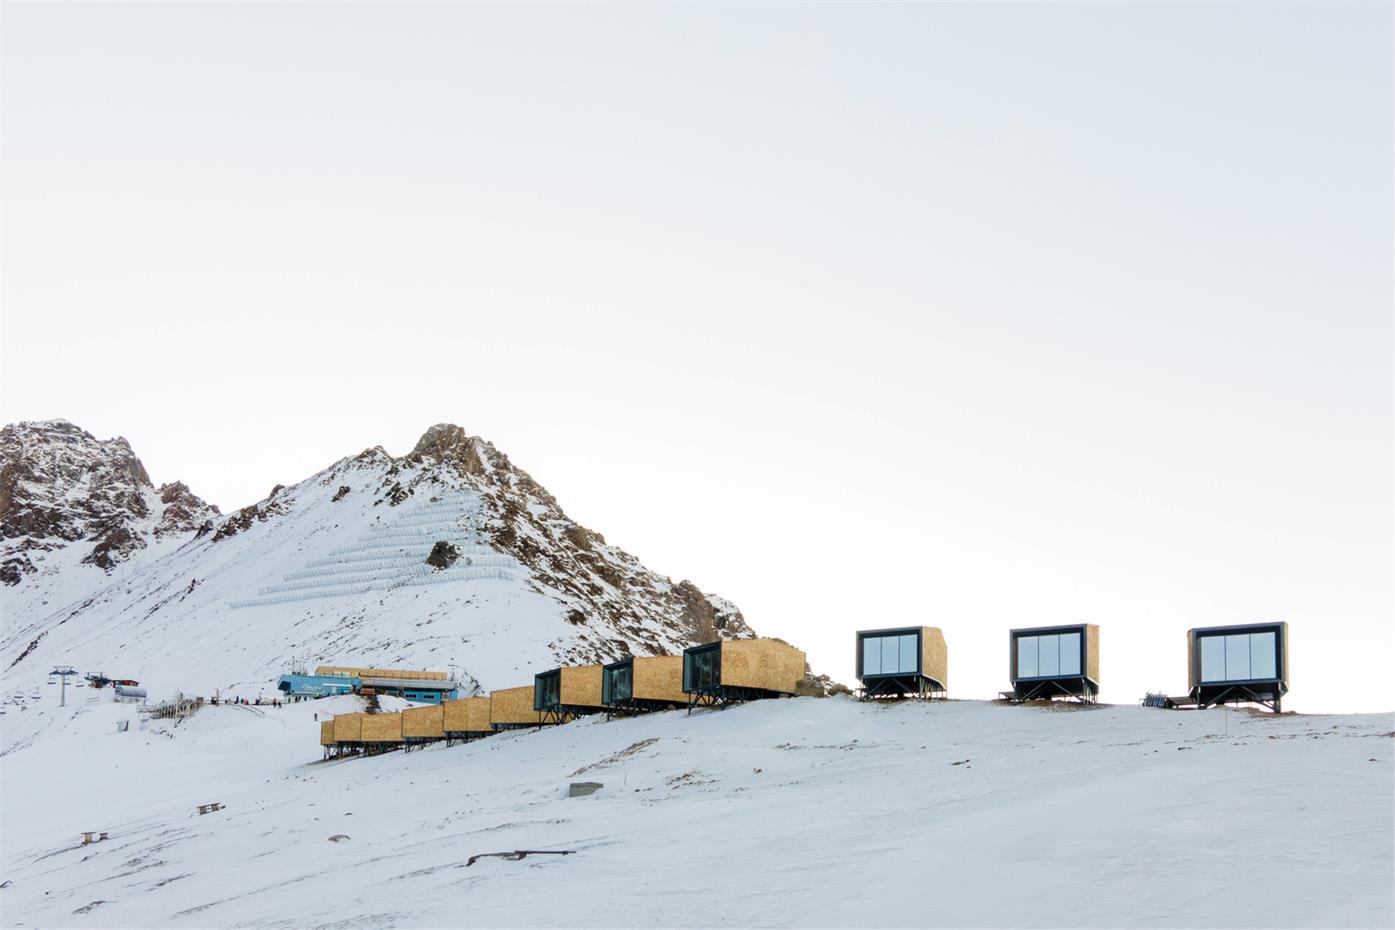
{"points": [[339, 494], [443, 555]]}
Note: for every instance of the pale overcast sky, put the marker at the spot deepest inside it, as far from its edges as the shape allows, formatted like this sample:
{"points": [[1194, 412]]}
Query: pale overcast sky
{"points": [[976, 315]]}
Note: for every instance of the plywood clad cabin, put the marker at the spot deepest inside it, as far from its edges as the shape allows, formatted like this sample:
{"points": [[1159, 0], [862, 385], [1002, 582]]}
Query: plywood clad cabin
{"points": [[382, 728], [468, 716], [767, 664], [424, 722], [581, 686], [659, 678], [327, 733], [513, 707], [934, 655], [348, 728]]}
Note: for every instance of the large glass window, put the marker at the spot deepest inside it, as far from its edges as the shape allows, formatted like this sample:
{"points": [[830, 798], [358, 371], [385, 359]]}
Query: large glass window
{"points": [[703, 669], [1049, 655], [619, 683], [1026, 657], [1264, 656], [547, 691], [910, 643], [871, 656], [896, 654], [1070, 653], [1239, 657], [1213, 658]]}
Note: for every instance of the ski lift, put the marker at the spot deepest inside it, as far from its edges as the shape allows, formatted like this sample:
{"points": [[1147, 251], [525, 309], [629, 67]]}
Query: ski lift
{"points": [[52, 682]]}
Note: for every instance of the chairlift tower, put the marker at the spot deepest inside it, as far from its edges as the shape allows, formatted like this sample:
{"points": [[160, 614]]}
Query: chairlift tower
{"points": [[63, 671]]}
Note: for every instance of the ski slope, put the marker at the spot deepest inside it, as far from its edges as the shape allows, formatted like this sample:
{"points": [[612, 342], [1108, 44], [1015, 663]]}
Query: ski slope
{"points": [[805, 812]]}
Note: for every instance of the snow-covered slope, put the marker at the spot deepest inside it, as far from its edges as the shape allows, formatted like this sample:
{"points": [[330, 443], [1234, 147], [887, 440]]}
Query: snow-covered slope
{"points": [[782, 813], [334, 569]]}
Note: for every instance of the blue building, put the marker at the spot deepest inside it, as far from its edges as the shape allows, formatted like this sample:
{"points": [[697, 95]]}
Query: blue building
{"points": [[421, 687]]}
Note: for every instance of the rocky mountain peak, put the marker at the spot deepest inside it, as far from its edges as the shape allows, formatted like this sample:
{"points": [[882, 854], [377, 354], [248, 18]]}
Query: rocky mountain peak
{"points": [[448, 443], [60, 485]]}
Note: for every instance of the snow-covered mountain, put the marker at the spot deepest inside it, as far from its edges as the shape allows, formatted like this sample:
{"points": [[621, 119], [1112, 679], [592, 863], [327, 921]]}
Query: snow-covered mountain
{"points": [[449, 555]]}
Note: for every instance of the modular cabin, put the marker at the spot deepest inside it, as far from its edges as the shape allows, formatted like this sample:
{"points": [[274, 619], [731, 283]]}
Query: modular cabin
{"points": [[643, 683], [348, 732], [467, 719], [512, 709], [567, 692], [327, 742], [733, 670], [907, 661], [1047, 661], [1238, 664], [381, 732], [421, 725]]}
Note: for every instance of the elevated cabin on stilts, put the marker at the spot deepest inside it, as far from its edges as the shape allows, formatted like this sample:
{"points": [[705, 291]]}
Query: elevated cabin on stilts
{"points": [[327, 742], [467, 719], [1238, 664], [643, 683], [348, 733], [897, 662], [734, 670], [422, 725], [512, 709], [381, 732], [568, 692], [1050, 661]]}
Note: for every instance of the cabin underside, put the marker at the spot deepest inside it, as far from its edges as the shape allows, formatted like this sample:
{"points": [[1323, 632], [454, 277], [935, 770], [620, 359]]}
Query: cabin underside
{"points": [[1264, 693], [561, 713], [720, 696], [1075, 688], [894, 687], [640, 706]]}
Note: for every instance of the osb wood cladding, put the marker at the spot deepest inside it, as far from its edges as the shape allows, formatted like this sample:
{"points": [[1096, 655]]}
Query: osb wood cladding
{"points": [[659, 678], [327, 733], [468, 716], [513, 707], [348, 728], [934, 655], [424, 722], [581, 686], [382, 728], [1092, 652], [762, 663]]}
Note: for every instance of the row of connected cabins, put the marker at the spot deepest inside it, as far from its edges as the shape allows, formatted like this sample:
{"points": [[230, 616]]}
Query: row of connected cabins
{"points": [[1247, 663], [714, 674]]}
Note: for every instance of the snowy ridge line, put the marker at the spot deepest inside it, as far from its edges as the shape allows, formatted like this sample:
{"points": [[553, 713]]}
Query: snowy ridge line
{"points": [[468, 574]]}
